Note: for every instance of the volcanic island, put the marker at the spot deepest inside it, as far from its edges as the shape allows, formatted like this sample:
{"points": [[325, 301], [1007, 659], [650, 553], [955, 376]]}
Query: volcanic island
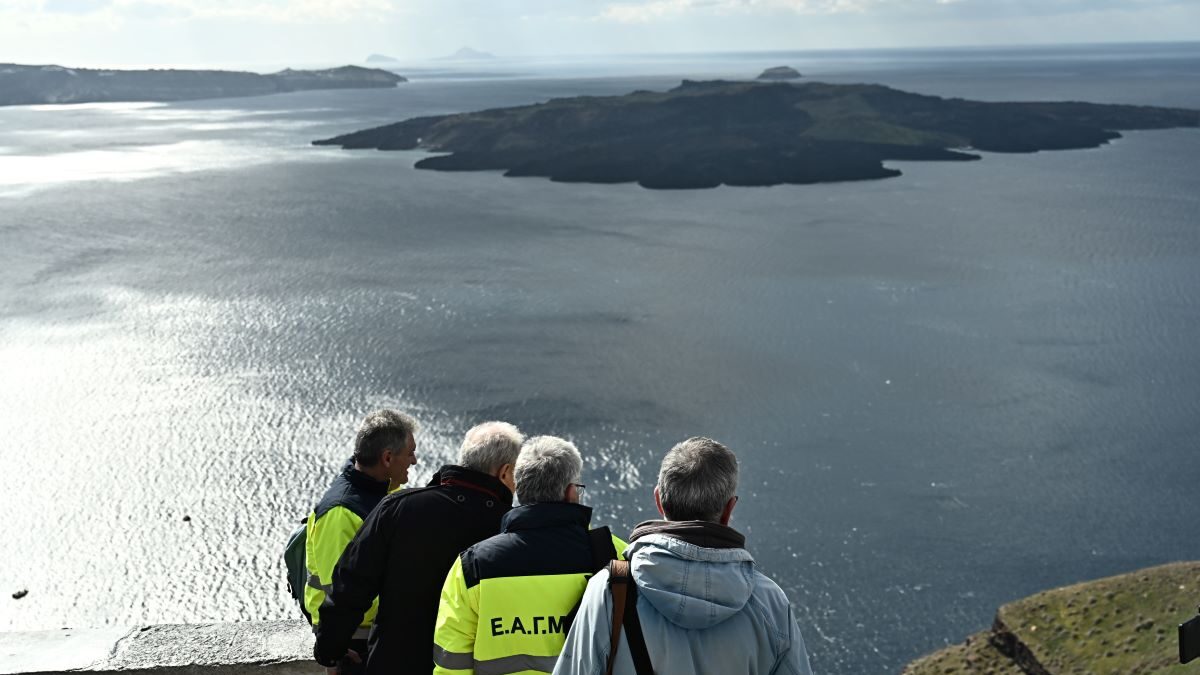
{"points": [[705, 134]]}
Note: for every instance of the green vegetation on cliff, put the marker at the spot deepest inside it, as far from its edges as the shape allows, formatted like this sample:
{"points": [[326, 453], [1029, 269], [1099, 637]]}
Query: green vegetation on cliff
{"points": [[704, 134], [1123, 625]]}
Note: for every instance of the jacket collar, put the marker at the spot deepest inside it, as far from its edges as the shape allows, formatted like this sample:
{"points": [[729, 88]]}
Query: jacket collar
{"points": [[546, 514], [696, 532], [362, 481], [461, 476]]}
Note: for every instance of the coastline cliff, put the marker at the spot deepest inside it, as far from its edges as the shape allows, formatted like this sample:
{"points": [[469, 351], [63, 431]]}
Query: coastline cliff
{"points": [[37, 85], [1120, 625]]}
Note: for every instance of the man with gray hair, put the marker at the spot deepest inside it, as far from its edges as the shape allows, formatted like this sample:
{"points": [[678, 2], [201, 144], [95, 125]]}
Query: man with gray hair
{"points": [[404, 549], [508, 601], [384, 448], [690, 600]]}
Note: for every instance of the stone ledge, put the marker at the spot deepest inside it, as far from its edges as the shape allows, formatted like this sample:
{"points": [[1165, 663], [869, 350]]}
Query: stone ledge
{"points": [[263, 648]]}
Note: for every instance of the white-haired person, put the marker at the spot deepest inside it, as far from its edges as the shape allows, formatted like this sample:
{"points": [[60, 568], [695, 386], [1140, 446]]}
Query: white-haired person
{"points": [[404, 549], [693, 600], [508, 601]]}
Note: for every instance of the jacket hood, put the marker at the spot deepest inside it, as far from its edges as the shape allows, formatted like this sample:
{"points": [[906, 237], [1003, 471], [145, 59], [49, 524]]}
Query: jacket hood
{"points": [[362, 481], [546, 514], [460, 476], [694, 587]]}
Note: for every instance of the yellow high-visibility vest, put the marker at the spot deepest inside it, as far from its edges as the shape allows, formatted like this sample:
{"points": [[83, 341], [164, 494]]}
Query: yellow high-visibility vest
{"points": [[496, 621]]}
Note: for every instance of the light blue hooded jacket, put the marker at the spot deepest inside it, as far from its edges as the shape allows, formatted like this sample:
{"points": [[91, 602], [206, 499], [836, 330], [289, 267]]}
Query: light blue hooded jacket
{"points": [[707, 611]]}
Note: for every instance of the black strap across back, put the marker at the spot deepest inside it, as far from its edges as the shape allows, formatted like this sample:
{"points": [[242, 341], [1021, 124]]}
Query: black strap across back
{"points": [[624, 595]]}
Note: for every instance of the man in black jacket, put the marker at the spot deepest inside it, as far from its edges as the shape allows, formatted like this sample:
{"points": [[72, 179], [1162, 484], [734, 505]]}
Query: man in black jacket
{"points": [[404, 550]]}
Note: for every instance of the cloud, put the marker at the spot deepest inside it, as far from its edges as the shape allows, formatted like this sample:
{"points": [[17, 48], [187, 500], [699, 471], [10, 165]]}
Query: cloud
{"points": [[641, 12], [653, 10], [277, 11], [287, 10], [74, 6], [150, 11]]}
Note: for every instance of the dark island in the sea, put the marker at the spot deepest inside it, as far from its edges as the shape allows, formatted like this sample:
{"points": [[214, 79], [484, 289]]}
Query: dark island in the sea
{"points": [[31, 85], [704, 134]]}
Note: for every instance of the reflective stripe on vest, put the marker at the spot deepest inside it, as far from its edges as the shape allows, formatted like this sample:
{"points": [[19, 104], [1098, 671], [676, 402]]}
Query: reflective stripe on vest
{"points": [[515, 664], [501, 666], [452, 660]]}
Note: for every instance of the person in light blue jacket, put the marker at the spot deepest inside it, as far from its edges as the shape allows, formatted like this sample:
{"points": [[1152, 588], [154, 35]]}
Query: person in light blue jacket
{"points": [[703, 606]]}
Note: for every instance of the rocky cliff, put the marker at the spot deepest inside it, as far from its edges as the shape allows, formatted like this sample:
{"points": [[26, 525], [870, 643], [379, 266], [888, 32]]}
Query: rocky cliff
{"points": [[1123, 625]]}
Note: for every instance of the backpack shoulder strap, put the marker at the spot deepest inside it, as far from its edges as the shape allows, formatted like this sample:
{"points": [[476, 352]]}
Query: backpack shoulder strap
{"points": [[619, 582], [624, 595], [633, 633]]}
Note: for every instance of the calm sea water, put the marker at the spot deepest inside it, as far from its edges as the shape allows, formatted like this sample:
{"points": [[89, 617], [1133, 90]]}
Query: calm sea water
{"points": [[947, 390]]}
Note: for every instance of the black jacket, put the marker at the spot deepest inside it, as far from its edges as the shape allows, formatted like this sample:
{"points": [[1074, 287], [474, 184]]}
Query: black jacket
{"points": [[537, 539], [402, 554]]}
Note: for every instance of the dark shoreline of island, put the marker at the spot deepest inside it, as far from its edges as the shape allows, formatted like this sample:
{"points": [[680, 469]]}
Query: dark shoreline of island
{"points": [[705, 134], [40, 85]]}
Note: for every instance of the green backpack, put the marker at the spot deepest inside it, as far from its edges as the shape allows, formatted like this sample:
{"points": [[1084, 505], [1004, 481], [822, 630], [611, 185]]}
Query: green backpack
{"points": [[297, 568]]}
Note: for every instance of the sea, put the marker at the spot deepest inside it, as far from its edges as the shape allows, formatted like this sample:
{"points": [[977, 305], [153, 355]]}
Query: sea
{"points": [[947, 390]]}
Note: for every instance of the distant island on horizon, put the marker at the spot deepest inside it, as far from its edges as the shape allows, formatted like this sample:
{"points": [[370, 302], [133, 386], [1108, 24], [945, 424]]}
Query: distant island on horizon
{"points": [[780, 73], [38, 85], [705, 134]]}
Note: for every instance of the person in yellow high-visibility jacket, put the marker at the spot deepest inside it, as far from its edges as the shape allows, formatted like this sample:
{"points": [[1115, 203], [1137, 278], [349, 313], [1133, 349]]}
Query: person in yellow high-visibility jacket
{"points": [[384, 449], [507, 602]]}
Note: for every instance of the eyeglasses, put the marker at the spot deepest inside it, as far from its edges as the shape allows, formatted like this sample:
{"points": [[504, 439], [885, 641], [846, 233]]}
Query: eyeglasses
{"points": [[579, 486]]}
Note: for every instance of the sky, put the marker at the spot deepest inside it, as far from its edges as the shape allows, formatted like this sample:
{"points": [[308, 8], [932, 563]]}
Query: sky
{"points": [[114, 33]]}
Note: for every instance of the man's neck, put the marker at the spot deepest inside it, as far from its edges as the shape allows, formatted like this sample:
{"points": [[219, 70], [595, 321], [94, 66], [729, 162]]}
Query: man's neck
{"points": [[701, 533], [376, 472]]}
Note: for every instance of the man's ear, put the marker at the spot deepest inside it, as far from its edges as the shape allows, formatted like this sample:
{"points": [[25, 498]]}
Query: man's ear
{"points": [[727, 512], [505, 474], [658, 503]]}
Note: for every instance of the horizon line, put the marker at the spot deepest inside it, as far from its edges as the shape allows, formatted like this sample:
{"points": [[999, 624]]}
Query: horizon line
{"points": [[596, 56]]}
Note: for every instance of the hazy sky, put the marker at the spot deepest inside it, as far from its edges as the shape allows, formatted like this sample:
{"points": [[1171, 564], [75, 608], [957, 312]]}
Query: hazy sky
{"points": [[181, 32]]}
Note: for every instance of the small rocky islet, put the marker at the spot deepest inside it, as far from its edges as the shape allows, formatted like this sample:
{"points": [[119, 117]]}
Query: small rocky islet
{"points": [[780, 73], [705, 134]]}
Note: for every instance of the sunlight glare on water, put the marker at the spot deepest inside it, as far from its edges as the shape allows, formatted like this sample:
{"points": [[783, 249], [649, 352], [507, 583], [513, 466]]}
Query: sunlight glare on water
{"points": [[141, 372], [21, 173]]}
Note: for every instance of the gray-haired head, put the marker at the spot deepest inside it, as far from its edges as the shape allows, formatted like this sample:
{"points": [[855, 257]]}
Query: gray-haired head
{"points": [[489, 446], [697, 479], [381, 430], [545, 467]]}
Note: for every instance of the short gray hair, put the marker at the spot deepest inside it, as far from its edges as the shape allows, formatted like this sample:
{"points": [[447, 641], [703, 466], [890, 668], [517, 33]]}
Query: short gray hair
{"points": [[698, 477], [545, 467], [381, 430], [487, 447]]}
